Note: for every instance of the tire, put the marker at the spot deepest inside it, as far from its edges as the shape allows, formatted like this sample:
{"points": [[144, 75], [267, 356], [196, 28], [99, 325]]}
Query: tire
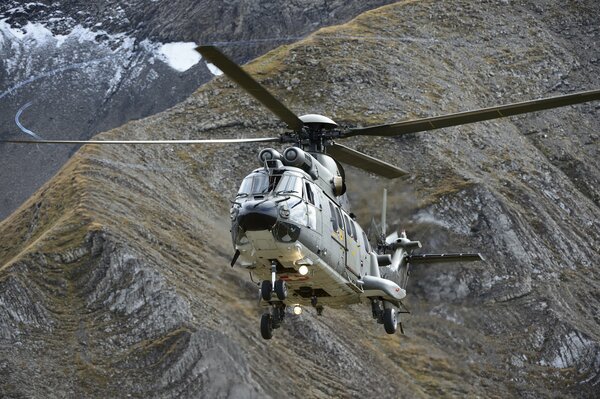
{"points": [[266, 326], [390, 320], [281, 290], [265, 290]]}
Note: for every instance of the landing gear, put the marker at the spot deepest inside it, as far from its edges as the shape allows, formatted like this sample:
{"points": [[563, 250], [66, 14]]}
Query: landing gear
{"points": [[278, 314], [266, 289], [266, 326], [271, 321], [314, 301], [390, 320], [281, 290], [377, 311], [388, 316]]}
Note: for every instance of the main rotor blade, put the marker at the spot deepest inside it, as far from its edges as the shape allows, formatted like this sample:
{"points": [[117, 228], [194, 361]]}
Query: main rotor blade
{"points": [[463, 118], [364, 161], [255, 89], [211, 141]]}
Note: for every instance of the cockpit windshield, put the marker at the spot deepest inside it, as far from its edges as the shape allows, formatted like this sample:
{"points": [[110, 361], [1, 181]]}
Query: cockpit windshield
{"points": [[256, 183], [262, 183]]}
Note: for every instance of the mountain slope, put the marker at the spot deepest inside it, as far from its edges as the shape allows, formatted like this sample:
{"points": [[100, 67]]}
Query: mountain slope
{"points": [[75, 68], [114, 276]]}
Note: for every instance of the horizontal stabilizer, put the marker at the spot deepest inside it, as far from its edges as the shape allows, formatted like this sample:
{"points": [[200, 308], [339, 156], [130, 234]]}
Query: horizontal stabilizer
{"points": [[440, 258]]}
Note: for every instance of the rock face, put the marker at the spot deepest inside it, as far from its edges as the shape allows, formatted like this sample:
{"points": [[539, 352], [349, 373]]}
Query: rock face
{"points": [[114, 276], [76, 68]]}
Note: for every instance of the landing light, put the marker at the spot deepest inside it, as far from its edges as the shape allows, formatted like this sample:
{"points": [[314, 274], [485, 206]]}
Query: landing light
{"points": [[303, 270], [297, 310]]}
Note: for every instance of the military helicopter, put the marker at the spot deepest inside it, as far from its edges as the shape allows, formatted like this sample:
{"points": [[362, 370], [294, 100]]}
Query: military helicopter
{"points": [[289, 227]]}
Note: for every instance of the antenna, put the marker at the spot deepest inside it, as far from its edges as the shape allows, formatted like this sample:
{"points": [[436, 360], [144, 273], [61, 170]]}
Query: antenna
{"points": [[383, 213]]}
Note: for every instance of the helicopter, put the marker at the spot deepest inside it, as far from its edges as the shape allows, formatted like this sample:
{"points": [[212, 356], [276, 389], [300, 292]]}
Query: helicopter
{"points": [[289, 225]]}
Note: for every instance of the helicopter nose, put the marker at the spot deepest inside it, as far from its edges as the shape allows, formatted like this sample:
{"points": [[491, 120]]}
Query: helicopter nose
{"points": [[257, 215]]}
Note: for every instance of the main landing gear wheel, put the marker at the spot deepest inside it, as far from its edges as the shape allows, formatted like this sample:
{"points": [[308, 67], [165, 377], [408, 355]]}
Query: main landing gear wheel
{"points": [[265, 290], [266, 326], [281, 290], [390, 320]]}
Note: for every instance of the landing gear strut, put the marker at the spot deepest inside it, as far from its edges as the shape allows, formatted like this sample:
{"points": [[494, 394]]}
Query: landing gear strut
{"points": [[314, 301], [273, 319]]}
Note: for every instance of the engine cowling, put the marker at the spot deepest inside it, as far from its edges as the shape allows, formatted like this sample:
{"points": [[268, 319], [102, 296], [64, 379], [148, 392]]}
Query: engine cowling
{"points": [[294, 156], [269, 154]]}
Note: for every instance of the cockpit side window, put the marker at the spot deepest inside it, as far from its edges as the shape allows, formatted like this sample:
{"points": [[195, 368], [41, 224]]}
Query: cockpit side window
{"points": [[309, 194], [290, 185]]}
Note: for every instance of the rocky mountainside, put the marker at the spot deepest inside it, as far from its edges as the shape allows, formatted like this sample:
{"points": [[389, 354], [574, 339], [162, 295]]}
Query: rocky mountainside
{"points": [[114, 276], [75, 68]]}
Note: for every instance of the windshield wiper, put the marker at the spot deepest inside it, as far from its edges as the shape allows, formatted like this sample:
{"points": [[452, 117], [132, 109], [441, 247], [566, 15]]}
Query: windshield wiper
{"points": [[286, 192]]}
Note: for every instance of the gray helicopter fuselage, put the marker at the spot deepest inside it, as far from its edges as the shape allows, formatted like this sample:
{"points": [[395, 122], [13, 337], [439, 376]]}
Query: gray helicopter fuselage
{"points": [[290, 217]]}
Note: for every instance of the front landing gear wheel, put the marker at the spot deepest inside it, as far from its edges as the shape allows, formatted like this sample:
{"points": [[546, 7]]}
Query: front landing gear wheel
{"points": [[281, 290], [265, 290], [390, 320], [266, 326]]}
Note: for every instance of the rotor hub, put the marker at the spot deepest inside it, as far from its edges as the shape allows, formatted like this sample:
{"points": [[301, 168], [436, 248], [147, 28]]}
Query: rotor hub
{"points": [[318, 121]]}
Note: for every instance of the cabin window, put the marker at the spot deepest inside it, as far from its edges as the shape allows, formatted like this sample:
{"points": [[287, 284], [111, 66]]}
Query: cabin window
{"points": [[334, 222], [353, 228], [348, 228], [338, 216]]}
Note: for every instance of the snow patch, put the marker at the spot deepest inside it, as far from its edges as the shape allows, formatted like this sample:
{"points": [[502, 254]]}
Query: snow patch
{"points": [[213, 69], [37, 34], [180, 56]]}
